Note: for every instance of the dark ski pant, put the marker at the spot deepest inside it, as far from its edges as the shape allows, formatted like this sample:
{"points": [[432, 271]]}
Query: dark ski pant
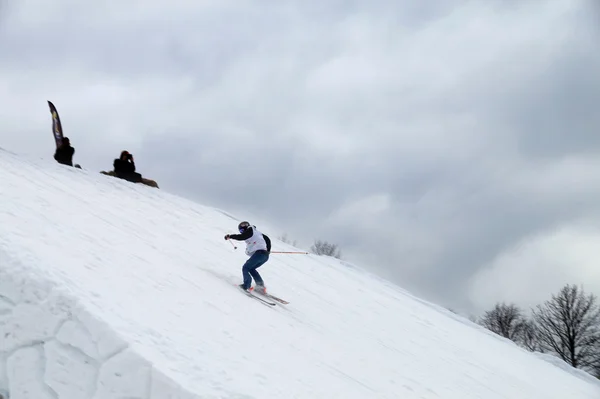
{"points": [[249, 269]]}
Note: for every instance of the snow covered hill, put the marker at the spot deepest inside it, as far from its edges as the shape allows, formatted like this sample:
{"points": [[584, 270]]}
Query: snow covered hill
{"points": [[115, 290]]}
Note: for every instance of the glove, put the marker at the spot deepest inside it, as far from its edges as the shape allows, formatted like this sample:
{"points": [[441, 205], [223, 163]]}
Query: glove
{"points": [[227, 236]]}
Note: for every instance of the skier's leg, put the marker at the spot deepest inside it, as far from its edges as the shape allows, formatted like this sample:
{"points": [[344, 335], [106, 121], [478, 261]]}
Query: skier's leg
{"points": [[261, 258], [248, 269], [246, 276], [257, 278]]}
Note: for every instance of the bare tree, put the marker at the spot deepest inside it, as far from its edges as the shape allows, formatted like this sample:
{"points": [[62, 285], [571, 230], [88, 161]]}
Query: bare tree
{"points": [[529, 337], [595, 368], [505, 320], [287, 240], [569, 325], [596, 371], [324, 248]]}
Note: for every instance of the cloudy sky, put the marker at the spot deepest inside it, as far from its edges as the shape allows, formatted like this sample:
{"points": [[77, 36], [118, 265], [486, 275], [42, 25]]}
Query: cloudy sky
{"points": [[451, 146]]}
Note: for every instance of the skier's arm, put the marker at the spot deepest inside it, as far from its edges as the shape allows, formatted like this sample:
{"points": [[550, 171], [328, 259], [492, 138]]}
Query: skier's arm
{"points": [[268, 241], [240, 237]]}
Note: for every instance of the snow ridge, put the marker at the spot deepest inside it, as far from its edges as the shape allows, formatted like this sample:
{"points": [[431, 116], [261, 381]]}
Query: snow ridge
{"points": [[114, 290]]}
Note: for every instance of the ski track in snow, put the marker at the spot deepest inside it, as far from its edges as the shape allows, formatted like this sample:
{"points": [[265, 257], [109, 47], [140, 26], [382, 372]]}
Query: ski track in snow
{"points": [[115, 290]]}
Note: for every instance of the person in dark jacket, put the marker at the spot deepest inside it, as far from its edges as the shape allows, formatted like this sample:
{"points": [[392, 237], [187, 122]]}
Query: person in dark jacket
{"points": [[64, 153], [258, 248], [124, 168]]}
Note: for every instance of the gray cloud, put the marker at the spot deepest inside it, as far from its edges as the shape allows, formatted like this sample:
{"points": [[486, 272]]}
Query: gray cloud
{"points": [[427, 140]]}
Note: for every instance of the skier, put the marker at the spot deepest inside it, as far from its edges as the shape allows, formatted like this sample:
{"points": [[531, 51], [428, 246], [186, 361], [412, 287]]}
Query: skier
{"points": [[258, 247]]}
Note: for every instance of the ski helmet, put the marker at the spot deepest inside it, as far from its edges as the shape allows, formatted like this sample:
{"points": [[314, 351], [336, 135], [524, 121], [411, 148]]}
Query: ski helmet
{"points": [[243, 226]]}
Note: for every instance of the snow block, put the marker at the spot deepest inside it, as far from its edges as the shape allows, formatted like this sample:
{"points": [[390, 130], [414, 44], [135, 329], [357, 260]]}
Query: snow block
{"points": [[69, 372]]}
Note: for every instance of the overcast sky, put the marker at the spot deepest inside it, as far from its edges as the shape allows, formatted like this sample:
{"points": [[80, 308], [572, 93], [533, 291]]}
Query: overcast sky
{"points": [[451, 146]]}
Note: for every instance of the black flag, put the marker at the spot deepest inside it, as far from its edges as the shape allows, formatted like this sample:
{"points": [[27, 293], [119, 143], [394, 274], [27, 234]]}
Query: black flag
{"points": [[56, 126]]}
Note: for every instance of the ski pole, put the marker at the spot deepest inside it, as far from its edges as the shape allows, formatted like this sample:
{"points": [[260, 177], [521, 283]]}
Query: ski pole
{"points": [[288, 252], [231, 242]]}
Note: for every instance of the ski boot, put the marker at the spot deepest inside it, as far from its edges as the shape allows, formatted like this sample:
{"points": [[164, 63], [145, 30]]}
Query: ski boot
{"points": [[244, 289], [260, 289]]}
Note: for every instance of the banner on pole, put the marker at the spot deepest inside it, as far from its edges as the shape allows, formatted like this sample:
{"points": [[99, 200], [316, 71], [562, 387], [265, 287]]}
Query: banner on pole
{"points": [[56, 125]]}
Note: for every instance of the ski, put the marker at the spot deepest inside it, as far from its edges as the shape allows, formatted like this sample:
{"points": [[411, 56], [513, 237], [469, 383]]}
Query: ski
{"points": [[261, 299], [251, 295], [273, 297]]}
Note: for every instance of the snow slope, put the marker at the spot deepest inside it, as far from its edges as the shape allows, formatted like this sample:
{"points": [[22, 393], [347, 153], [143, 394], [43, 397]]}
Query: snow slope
{"points": [[115, 290]]}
